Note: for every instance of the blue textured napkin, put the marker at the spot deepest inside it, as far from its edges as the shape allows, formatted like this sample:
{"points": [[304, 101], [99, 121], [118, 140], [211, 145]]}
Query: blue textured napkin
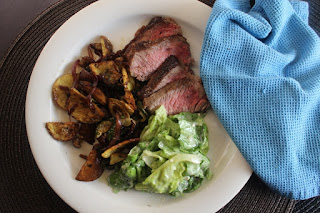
{"points": [[260, 67]]}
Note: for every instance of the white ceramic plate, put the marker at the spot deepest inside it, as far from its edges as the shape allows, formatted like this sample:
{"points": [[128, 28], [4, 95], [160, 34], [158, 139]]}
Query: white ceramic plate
{"points": [[59, 162]]}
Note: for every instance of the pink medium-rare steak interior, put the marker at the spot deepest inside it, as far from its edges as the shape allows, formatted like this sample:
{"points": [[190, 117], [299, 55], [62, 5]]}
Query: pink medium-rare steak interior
{"points": [[170, 70], [184, 95], [146, 57]]}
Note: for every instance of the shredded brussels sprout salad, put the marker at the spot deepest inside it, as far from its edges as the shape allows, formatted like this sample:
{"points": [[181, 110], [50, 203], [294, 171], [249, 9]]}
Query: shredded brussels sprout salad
{"points": [[170, 157]]}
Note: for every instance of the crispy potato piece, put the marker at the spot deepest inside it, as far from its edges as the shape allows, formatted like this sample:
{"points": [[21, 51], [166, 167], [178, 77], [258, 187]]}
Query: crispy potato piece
{"points": [[103, 127], [128, 86], [108, 70], [117, 157], [80, 110], [96, 46], [91, 169], [120, 106], [97, 94], [111, 77], [126, 121], [113, 149], [60, 90], [102, 67], [63, 131], [106, 46], [128, 97]]}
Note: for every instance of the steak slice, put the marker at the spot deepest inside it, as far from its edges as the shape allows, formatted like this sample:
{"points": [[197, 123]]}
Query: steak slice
{"points": [[144, 58], [184, 95], [158, 27], [170, 70]]}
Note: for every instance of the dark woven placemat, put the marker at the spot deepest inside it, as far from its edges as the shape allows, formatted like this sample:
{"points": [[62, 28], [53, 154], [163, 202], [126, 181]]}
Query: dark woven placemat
{"points": [[22, 187]]}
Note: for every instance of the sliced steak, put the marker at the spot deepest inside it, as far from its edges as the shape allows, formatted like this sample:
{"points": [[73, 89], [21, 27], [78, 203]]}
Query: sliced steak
{"points": [[146, 57], [170, 70], [157, 28], [184, 95]]}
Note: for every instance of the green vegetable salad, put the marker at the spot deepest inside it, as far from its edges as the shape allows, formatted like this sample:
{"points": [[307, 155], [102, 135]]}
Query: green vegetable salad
{"points": [[170, 158]]}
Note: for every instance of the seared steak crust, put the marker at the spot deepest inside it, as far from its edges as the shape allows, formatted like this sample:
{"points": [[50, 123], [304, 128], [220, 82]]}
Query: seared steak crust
{"points": [[184, 95], [157, 28]]}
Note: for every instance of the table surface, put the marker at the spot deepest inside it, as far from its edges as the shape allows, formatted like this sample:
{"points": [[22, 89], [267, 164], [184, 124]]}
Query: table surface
{"points": [[15, 15]]}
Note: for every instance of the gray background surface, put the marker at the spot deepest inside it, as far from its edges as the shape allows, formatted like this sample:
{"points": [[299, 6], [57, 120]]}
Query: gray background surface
{"points": [[15, 15]]}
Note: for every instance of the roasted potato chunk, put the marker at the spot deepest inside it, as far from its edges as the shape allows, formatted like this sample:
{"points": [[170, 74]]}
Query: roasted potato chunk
{"points": [[120, 106], [103, 127], [63, 131], [127, 83], [96, 46], [102, 67], [128, 87], [113, 149], [117, 157], [111, 77], [106, 46], [128, 97], [108, 71], [80, 110], [91, 169], [60, 90]]}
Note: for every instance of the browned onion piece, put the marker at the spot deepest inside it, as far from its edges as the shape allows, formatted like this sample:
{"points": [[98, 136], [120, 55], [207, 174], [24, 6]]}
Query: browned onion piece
{"points": [[83, 156], [133, 126], [74, 74], [89, 96], [90, 54], [84, 75]]}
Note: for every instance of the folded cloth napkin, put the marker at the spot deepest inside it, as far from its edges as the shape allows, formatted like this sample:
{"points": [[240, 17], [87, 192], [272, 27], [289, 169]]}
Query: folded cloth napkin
{"points": [[260, 67]]}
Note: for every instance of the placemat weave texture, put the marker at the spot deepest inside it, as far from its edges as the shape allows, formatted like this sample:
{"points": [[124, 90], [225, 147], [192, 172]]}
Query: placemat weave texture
{"points": [[22, 187]]}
